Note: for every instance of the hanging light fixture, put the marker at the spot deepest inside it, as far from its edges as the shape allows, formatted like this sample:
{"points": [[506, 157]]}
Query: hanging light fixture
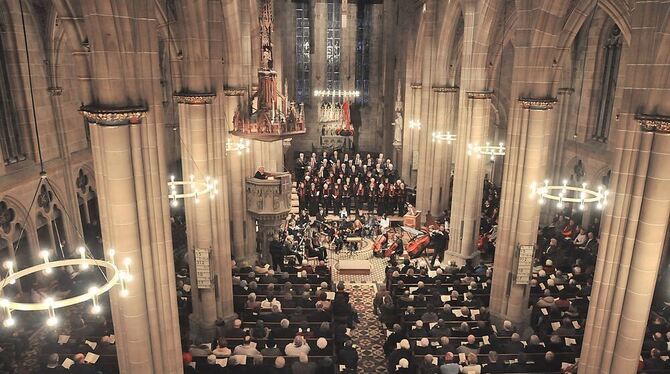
{"points": [[487, 150], [112, 277], [444, 137], [569, 194], [415, 124], [336, 93]]}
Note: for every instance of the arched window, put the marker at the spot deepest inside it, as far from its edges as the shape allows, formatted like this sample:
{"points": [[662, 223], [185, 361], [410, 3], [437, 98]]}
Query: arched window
{"points": [[363, 30], [302, 51], [605, 103], [10, 132], [333, 34]]}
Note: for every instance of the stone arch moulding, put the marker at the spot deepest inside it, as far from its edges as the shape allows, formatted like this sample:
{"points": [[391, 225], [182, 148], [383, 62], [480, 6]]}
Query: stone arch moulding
{"points": [[87, 169], [22, 217]]}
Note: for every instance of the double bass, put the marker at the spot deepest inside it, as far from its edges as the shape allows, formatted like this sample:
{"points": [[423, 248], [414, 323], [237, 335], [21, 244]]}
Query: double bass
{"points": [[420, 241]]}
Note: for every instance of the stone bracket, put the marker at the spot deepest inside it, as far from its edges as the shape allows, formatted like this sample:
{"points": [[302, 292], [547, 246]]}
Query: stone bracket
{"points": [[416, 86], [653, 123], [113, 116], [445, 89], [545, 103], [194, 98], [480, 95], [234, 91]]}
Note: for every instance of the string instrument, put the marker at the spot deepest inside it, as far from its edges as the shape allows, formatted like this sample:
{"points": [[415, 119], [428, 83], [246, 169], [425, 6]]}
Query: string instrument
{"points": [[390, 250], [379, 243], [420, 240]]}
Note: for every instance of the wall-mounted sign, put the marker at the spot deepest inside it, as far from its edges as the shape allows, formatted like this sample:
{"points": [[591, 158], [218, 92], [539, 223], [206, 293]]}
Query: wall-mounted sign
{"points": [[203, 275], [524, 267]]}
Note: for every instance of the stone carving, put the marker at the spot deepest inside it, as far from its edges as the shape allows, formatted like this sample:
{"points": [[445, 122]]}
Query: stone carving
{"points": [[113, 116], [234, 91], [654, 123], [194, 99], [445, 89], [480, 95], [546, 103], [398, 121], [269, 196]]}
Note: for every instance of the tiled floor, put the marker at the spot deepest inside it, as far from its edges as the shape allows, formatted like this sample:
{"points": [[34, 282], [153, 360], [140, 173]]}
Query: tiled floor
{"points": [[369, 334], [365, 253]]}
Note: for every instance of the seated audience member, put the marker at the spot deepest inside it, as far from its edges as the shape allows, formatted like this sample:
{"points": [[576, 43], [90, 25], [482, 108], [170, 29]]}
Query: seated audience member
{"points": [[403, 367], [548, 363], [514, 346], [221, 348], [279, 366], [80, 366], [445, 346], [418, 331], [534, 346], [271, 349], [236, 367], [654, 362], [394, 338], [322, 348], [450, 365], [522, 365], [494, 365], [54, 365], [297, 347], [423, 347], [303, 365], [472, 366], [260, 332], [187, 359], [348, 356], [470, 347], [404, 352], [246, 348], [236, 331], [507, 329], [210, 367]]}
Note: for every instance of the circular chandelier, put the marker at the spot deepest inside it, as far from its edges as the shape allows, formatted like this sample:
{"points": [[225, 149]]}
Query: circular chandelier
{"points": [[191, 188], [113, 278], [415, 124], [238, 146], [488, 150], [336, 93], [569, 194], [444, 137]]}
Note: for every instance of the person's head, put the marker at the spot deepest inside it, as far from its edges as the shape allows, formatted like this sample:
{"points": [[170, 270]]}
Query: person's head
{"points": [[507, 325], [590, 235], [472, 359], [53, 360], [397, 328], [261, 169], [549, 356], [419, 324], [79, 357], [493, 356], [297, 341], [410, 309], [555, 339], [321, 343], [655, 353], [404, 344], [515, 337], [276, 308], [403, 363], [549, 263], [247, 340], [280, 362], [448, 357], [424, 342], [471, 339], [420, 284], [553, 242], [211, 359], [428, 359], [237, 323], [534, 340]]}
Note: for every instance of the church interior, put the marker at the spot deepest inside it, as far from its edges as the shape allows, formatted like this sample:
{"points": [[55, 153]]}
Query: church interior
{"points": [[334, 186]]}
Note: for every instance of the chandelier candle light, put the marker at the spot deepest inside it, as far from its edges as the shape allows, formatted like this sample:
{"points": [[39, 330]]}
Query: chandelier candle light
{"points": [[415, 124], [113, 277], [336, 93], [488, 149], [192, 188], [444, 137], [569, 194]]}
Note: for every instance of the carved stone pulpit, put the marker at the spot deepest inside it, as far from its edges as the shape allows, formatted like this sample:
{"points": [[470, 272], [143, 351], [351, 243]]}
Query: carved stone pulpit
{"points": [[269, 203]]}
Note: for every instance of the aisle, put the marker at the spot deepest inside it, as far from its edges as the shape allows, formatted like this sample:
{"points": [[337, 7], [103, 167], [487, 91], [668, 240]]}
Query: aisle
{"points": [[368, 335]]}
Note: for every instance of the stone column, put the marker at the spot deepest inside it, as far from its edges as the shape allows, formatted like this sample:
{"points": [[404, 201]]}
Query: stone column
{"points": [[132, 192], [446, 100], [195, 112], [525, 163], [633, 234], [469, 176]]}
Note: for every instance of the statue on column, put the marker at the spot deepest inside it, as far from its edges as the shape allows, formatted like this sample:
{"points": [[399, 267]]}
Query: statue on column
{"points": [[397, 122]]}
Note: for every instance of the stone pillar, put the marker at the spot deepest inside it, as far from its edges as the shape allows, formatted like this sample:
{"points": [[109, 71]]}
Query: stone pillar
{"points": [[633, 234], [446, 108], [195, 113], [525, 163], [134, 216], [469, 176]]}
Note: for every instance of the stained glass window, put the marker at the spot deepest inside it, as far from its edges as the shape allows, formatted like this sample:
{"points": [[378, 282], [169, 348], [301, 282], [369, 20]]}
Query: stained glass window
{"points": [[302, 51], [363, 28], [333, 34], [608, 84]]}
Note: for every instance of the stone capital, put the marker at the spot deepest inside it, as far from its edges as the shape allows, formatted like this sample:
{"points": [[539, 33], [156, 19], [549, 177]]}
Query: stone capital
{"points": [[416, 86], [194, 98], [480, 95], [653, 123], [113, 116], [445, 89], [545, 103]]}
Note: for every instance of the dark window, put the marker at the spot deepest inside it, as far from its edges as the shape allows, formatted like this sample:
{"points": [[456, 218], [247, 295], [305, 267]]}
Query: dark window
{"points": [[611, 61], [10, 132], [363, 27], [333, 81], [302, 52]]}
